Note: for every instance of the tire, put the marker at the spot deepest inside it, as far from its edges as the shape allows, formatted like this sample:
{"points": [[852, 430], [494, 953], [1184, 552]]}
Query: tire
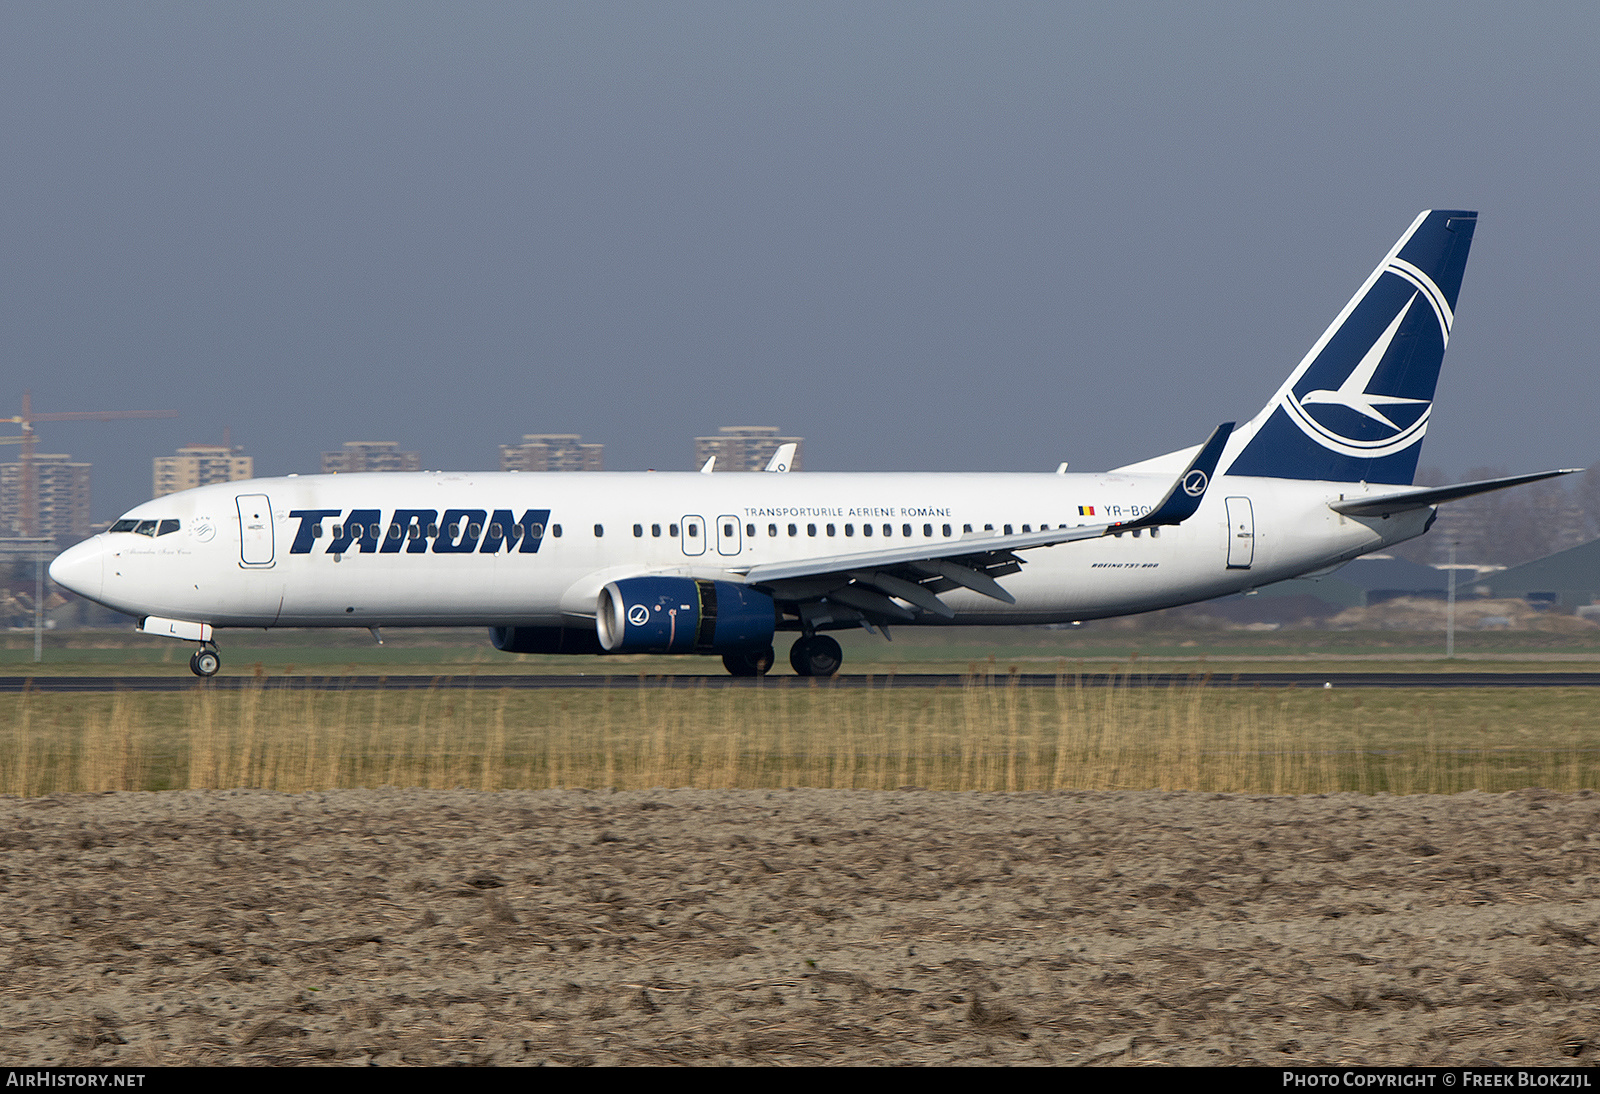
{"points": [[205, 663], [749, 663], [818, 655]]}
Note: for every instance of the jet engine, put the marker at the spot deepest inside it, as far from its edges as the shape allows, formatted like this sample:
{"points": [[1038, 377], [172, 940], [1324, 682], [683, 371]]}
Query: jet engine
{"points": [[544, 640], [683, 615]]}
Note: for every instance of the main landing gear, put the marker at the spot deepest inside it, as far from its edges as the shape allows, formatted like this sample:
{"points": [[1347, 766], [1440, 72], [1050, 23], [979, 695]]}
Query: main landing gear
{"points": [[811, 655], [815, 655], [206, 661]]}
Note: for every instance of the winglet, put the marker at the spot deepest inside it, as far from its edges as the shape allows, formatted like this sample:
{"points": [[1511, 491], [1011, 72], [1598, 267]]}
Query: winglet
{"points": [[783, 458], [709, 465], [1190, 489]]}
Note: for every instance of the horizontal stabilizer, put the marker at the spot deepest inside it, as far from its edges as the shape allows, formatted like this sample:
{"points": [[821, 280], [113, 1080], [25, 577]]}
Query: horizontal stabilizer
{"points": [[1389, 504]]}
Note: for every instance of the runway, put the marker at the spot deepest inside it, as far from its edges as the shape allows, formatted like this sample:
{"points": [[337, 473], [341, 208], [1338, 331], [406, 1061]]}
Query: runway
{"points": [[536, 681]]}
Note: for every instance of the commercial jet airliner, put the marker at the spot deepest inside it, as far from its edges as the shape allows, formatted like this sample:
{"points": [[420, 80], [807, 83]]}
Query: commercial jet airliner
{"points": [[718, 564]]}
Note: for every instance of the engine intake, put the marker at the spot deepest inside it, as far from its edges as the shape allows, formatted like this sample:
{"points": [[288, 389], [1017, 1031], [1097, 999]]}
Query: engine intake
{"points": [[683, 615]]}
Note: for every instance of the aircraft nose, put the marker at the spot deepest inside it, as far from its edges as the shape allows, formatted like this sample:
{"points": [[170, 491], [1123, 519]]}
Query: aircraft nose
{"points": [[81, 568]]}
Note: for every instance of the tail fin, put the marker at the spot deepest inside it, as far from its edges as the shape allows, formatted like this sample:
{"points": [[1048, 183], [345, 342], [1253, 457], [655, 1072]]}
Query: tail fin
{"points": [[1357, 406]]}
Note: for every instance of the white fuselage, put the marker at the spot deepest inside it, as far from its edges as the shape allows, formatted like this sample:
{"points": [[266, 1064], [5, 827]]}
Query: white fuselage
{"points": [[239, 557]]}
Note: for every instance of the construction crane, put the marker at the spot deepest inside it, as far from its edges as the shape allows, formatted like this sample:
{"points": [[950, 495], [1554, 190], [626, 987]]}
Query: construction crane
{"points": [[29, 441]]}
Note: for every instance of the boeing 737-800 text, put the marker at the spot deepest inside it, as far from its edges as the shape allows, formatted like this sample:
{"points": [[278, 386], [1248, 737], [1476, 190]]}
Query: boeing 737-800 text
{"points": [[718, 564]]}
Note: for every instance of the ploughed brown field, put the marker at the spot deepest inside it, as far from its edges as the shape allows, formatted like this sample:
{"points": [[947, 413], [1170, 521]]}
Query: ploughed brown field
{"points": [[798, 926]]}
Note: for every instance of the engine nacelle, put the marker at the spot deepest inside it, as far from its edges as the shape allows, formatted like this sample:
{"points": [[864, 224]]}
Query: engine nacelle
{"points": [[545, 640], [683, 615]]}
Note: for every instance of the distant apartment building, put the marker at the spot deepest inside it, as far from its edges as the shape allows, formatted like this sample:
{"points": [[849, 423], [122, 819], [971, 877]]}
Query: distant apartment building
{"points": [[200, 465], [61, 498], [744, 448], [370, 456], [552, 452]]}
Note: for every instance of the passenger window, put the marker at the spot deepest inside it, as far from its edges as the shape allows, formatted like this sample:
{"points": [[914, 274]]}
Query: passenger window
{"points": [[599, 530], [849, 529], [316, 530], [988, 527], [1136, 533], [966, 529], [1008, 529], [1027, 527], [947, 529], [638, 531], [905, 530], [672, 530], [555, 530], [866, 529], [1154, 533], [772, 530], [888, 529], [811, 529], [474, 530], [927, 529], [749, 529], [830, 530], [433, 531], [537, 531], [374, 532], [793, 530], [694, 531], [413, 532], [655, 530]]}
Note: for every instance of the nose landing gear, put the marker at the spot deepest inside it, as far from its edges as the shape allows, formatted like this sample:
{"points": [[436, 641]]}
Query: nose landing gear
{"points": [[206, 661]]}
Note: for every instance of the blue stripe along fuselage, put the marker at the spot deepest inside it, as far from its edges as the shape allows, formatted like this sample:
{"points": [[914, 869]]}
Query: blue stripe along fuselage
{"points": [[456, 532]]}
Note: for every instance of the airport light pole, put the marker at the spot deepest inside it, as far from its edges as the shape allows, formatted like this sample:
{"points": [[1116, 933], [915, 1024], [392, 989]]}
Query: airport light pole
{"points": [[1450, 608], [38, 603]]}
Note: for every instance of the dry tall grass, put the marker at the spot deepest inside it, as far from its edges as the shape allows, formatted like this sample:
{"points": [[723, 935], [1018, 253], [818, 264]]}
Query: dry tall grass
{"points": [[988, 734]]}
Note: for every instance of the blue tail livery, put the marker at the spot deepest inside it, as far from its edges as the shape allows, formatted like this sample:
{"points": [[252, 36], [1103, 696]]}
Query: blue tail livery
{"points": [[1356, 408]]}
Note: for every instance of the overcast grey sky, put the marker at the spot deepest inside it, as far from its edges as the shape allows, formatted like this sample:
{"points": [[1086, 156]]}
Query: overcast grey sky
{"points": [[923, 236]]}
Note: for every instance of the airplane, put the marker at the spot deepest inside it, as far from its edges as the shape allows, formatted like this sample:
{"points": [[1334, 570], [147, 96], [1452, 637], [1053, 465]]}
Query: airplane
{"points": [[719, 564]]}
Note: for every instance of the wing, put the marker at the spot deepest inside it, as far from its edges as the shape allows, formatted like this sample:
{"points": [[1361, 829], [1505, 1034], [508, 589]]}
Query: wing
{"points": [[897, 585]]}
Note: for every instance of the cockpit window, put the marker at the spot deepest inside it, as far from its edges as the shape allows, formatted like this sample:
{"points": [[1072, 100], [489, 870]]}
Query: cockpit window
{"points": [[147, 527]]}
